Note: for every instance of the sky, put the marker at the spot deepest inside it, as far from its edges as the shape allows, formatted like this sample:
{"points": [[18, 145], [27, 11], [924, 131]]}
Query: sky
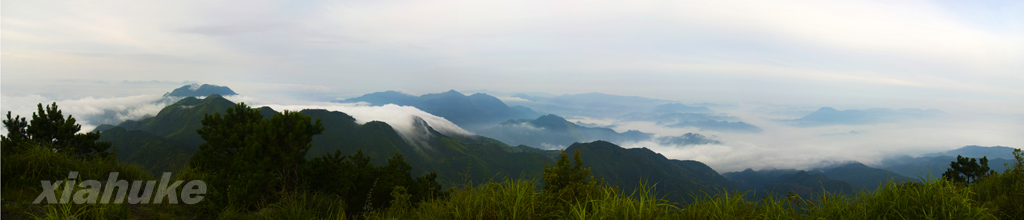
{"points": [[961, 57]]}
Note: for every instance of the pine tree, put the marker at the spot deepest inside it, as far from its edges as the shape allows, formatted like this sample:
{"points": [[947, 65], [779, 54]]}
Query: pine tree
{"points": [[254, 159], [48, 127], [967, 170]]}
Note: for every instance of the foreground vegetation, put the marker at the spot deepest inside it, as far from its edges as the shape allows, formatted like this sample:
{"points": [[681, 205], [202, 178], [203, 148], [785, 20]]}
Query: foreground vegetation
{"points": [[249, 182]]}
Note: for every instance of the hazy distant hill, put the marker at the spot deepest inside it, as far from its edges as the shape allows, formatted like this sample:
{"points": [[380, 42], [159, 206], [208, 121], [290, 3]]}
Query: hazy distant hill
{"points": [[831, 116], [470, 112], [674, 117], [201, 90], [554, 132], [978, 152], [849, 178], [934, 164], [864, 177], [677, 107], [711, 125], [598, 105], [627, 168], [778, 183]]}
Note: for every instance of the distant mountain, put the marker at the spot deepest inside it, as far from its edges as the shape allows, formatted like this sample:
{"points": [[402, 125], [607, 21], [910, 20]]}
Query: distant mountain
{"points": [[778, 183], [554, 132], [167, 140], [469, 112], [388, 97], [677, 107], [201, 90], [686, 139], [597, 105], [934, 164], [673, 118], [831, 116], [164, 143], [703, 121], [711, 125], [975, 151], [676, 180], [179, 121], [452, 157], [864, 177]]}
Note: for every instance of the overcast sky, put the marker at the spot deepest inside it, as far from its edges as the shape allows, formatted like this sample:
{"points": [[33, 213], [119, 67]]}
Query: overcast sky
{"points": [[950, 55]]}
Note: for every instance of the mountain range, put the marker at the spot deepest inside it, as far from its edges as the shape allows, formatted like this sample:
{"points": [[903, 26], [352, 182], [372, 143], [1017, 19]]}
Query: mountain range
{"points": [[166, 141], [676, 180], [470, 112], [932, 165], [597, 105], [831, 116], [200, 90], [676, 115], [554, 132], [777, 183]]}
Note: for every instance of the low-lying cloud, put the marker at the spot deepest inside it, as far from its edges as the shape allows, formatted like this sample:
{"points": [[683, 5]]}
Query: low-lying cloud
{"points": [[90, 111], [401, 118], [784, 146]]}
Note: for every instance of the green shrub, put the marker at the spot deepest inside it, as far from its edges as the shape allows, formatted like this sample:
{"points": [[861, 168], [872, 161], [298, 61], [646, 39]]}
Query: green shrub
{"points": [[1004, 192]]}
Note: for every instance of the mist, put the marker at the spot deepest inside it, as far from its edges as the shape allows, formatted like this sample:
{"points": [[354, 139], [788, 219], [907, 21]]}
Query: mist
{"points": [[89, 111], [401, 118], [784, 146]]}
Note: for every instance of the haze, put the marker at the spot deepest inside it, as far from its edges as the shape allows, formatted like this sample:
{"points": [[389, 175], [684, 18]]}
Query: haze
{"points": [[768, 60]]}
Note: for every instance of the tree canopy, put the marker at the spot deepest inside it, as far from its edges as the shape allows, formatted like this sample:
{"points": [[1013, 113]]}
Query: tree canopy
{"points": [[49, 128], [967, 170]]}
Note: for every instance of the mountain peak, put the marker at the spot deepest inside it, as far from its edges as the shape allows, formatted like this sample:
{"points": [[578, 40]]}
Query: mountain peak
{"points": [[200, 90], [551, 117], [551, 121], [827, 109]]}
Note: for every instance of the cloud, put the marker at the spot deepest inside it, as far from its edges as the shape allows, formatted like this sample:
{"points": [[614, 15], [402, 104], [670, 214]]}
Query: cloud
{"points": [[508, 99], [780, 50], [784, 146], [90, 111], [402, 118]]}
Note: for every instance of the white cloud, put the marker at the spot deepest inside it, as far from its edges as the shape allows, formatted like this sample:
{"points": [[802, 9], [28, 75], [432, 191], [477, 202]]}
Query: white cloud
{"points": [[90, 111], [401, 118], [508, 99], [783, 146]]}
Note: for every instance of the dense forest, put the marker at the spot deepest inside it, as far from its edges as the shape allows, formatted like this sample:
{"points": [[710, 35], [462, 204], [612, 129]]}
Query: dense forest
{"points": [[316, 164]]}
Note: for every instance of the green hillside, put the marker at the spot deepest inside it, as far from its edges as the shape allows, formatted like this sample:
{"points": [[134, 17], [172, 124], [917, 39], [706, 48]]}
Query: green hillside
{"points": [[180, 120], [864, 177], [630, 168], [154, 153], [469, 112], [454, 158], [164, 142]]}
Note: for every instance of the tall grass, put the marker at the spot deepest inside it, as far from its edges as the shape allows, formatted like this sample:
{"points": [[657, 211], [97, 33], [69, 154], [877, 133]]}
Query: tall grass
{"points": [[24, 170], [516, 199], [509, 199]]}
